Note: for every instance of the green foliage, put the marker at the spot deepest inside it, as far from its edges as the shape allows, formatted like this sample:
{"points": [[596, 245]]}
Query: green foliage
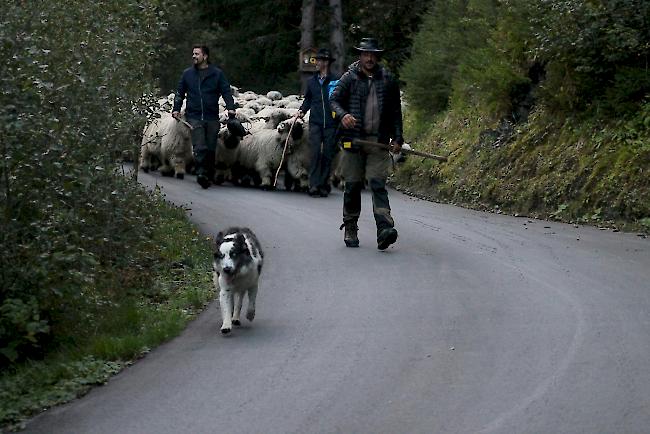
{"points": [[82, 245], [579, 68], [24, 393], [587, 55], [459, 58], [596, 51], [72, 98], [394, 23], [256, 43], [572, 169], [436, 51], [151, 307]]}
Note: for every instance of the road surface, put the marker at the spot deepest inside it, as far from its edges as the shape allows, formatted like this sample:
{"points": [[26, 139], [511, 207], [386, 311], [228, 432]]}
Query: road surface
{"points": [[470, 323]]}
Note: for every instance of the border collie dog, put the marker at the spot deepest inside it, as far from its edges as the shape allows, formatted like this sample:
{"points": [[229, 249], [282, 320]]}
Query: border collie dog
{"points": [[237, 266]]}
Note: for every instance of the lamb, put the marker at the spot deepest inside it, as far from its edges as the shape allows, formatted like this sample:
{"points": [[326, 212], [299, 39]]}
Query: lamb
{"points": [[252, 105], [262, 150], [275, 114], [175, 147], [247, 112], [296, 176], [280, 103], [274, 95], [248, 96], [151, 135], [264, 101], [293, 104], [226, 156], [241, 115], [150, 146]]}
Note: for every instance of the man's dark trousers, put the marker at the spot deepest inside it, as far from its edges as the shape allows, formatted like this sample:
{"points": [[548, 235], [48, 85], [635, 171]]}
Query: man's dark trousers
{"points": [[373, 164], [204, 146], [322, 144]]}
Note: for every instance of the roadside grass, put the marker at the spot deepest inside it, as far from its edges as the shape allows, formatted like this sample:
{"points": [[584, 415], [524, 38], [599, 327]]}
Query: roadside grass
{"points": [[123, 331], [577, 170]]}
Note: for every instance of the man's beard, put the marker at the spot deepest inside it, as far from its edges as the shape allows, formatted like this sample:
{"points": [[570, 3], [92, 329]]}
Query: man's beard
{"points": [[369, 66]]}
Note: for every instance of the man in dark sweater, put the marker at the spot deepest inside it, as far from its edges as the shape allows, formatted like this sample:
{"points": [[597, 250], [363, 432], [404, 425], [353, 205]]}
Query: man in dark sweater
{"points": [[367, 100], [202, 84], [322, 127]]}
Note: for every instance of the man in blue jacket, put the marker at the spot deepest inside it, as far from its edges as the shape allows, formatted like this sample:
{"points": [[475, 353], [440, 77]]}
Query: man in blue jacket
{"points": [[202, 85], [322, 127]]}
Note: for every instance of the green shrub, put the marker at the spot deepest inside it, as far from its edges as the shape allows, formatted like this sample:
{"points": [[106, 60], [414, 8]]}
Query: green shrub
{"points": [[74, 77]]}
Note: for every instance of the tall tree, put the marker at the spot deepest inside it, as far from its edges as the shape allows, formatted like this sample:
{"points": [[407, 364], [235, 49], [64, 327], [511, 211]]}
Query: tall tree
{"points": [[306, 35], [337, 44]]}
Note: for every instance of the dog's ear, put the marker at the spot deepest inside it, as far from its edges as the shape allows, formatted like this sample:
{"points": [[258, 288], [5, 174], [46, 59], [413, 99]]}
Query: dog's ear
{"points": [[219, 239]]}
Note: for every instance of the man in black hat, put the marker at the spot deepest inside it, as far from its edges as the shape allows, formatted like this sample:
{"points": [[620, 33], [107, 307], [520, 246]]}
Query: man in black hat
{"points": [[203, 84], [367, 100], [322, 128]]}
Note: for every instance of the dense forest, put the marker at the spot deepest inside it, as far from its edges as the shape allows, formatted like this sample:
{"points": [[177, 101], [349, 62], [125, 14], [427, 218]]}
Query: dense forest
{"points": [[257, 43], [543, 108]]}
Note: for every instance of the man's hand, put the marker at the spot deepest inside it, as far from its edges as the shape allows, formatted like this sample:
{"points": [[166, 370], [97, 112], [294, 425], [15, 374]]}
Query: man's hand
{"points": [[395, 147], [231, 114], [348, 121], [299, 114], [176, 115]]}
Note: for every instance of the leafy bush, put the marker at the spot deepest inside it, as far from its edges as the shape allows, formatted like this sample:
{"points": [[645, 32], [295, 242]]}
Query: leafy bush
{"points": [[73, 82], [591, 46]]}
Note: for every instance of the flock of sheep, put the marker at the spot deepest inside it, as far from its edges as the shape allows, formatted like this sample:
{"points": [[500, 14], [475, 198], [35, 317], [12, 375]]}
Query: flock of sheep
{"points": [[277, 143]]}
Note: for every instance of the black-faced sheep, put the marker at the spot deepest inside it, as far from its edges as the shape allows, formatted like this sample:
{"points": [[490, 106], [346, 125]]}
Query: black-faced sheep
{"points": [[150, 146], [296, 176], [175, 147], [226, 156], [262, 150], [150, 156]]}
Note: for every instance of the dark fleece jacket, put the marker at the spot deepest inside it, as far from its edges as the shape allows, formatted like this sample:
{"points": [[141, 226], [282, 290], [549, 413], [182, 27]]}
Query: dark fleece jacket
{"points": [[350, 96]]}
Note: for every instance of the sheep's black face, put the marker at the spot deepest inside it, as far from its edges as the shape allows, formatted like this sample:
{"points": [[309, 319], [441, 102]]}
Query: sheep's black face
{"points": [[297, 131], [236, 128], [231, 141]]}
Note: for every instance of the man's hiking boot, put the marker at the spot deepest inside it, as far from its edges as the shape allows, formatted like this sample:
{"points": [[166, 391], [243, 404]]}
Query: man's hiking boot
{"points": [[386, 237], [203, 181], [350, 237]]}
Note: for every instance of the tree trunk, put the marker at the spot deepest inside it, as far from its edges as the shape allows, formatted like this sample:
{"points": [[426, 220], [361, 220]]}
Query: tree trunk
{"points": [[306, 36], [337, 46]]}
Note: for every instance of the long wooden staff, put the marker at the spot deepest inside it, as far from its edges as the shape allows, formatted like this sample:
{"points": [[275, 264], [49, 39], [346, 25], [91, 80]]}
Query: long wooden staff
{"points": [[406, 151], [284, 152]]}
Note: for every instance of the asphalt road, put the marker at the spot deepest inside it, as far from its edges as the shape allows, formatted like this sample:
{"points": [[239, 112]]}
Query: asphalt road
{"points": [[471, 323]]}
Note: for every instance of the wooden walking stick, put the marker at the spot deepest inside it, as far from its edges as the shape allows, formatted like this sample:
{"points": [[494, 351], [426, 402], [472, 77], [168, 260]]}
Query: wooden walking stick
{"points": [[284, 152], [406, 151]]}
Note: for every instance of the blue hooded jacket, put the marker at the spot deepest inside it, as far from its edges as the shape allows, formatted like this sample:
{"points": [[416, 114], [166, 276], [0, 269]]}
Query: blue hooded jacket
{"points": [[203, 95], [317, 100]]}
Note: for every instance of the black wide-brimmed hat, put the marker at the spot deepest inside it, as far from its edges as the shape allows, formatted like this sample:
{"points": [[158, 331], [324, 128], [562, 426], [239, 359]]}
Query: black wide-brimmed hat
{"points": [[369, 44], [324, 54]]}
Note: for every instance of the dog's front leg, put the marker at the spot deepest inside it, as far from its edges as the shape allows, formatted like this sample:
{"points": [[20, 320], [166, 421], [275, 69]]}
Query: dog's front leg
{"points": [[225, 300], [238, 297], [252, 295]]}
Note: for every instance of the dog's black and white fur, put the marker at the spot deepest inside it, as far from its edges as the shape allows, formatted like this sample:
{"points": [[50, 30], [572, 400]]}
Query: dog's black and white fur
{"points": [[237, 266]]}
